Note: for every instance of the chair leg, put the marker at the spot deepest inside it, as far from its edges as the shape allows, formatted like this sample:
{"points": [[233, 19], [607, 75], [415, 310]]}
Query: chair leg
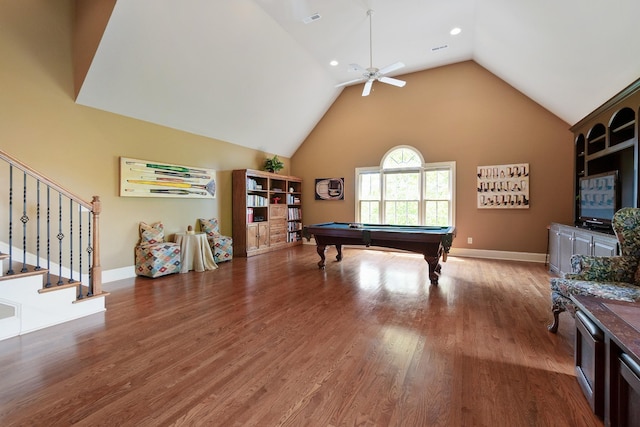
{"points": [[556, 320]]}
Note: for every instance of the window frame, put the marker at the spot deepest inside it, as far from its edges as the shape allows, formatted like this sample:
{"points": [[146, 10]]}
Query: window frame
{"points": [[422, 169]]}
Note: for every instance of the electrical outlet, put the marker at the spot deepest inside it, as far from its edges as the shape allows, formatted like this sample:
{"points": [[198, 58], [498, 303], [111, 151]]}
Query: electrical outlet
{"points": [[470, 240]]}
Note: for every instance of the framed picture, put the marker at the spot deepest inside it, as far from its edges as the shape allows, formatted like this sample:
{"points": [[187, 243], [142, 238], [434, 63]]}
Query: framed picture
{"points": [[146, 178], [329, 188], [503, 186]]}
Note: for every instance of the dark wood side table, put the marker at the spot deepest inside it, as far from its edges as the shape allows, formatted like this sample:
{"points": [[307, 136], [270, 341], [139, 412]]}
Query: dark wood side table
{"points": [[616, 325]]}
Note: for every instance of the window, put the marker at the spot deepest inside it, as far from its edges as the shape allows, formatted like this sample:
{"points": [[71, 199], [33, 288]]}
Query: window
{"points": [[406, 191]]}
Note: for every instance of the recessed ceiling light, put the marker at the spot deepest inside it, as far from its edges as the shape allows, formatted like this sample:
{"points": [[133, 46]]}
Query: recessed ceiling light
{"points": [[455, 31], [333, 63]]}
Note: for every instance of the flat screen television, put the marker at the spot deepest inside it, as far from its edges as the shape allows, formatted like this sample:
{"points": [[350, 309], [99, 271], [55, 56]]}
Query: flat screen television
{"points": [[599, 199]]}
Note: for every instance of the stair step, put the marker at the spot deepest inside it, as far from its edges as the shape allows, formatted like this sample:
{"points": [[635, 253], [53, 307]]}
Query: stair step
{"points": [[86, 298], [85, 289], [17, 267], [53, 279]]}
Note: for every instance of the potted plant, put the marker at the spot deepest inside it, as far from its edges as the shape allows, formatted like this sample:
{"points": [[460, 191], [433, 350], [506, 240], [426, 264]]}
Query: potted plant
{"points": [[273, 164]]}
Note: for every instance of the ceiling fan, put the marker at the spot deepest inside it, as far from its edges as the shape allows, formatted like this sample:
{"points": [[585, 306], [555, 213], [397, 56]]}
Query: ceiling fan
{"points": [[371, 74]]}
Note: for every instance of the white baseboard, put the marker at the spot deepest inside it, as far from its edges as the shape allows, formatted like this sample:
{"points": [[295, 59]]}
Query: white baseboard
{"points": [[118, 274], [502, 255]]}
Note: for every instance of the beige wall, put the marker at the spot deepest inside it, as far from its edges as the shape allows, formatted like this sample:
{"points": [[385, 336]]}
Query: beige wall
{"points": [[458, 113], [80, 147]]}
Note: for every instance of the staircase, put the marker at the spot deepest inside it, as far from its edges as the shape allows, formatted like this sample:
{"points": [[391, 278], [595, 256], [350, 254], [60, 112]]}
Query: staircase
{"points": [[49, 259]]}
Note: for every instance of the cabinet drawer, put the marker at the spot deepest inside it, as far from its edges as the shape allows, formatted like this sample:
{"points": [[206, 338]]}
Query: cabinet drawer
{"points": [[278, 239], [277, 231], [278, 211]]}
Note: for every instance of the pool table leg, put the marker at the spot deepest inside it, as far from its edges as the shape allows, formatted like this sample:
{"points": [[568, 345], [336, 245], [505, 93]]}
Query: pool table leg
{"points": [[321, 249], [434, 268]]}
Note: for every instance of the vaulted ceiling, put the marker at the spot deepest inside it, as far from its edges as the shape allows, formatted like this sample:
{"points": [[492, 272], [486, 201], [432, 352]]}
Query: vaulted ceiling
{"points": [[255, 74]]}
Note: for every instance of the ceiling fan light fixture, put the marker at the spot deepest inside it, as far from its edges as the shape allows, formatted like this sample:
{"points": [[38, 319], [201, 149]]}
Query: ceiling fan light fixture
{"points": [[372, 73]]}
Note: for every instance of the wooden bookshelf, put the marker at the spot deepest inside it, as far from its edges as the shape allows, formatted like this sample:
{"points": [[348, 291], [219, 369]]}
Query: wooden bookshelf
{"points": [[267, 213]]}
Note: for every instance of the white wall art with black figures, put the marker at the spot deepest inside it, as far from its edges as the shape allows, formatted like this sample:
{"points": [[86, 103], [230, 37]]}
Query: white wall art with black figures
{"points": [[503, 186]]}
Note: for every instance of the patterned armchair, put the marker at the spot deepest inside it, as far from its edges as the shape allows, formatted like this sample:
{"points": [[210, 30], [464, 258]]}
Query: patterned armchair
{"points": [[221, 246], [616, 278], [154, 256]]}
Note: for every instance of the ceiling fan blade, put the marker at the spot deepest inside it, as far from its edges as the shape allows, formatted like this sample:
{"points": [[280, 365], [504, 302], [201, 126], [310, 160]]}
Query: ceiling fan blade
{"points": [[350, 82], [367, 88], [356, 67], [391, 81], [391, 68]]}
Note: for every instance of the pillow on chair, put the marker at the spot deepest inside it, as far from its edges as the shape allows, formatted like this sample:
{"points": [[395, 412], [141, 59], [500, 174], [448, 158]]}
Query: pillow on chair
{"points": [[210, 226], [151, 234]]}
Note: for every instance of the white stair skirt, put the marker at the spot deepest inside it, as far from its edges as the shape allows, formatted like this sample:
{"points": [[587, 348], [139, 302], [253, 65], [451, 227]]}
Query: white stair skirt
{"points": [[26, 310]]}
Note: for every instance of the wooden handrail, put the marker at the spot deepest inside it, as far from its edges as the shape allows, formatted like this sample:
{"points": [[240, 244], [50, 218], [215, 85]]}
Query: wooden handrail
{"points": [[51, 183]]}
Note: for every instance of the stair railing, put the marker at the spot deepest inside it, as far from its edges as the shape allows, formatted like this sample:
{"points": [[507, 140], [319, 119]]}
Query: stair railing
{"points": [[46, 212]]}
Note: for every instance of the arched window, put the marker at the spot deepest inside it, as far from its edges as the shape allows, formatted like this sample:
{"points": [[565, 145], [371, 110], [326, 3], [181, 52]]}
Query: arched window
{"points": [[404, 190], [402, 157]]}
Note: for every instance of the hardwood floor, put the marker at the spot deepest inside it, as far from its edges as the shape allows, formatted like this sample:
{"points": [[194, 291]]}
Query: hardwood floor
{"points": [[272, 340]]}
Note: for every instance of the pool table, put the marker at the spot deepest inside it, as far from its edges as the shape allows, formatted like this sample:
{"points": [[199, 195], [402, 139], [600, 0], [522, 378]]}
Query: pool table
{"points": [[431, 241]]}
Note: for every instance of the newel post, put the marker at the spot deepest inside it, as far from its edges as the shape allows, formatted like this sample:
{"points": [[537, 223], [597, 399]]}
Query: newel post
{"points": [[96, 269]]}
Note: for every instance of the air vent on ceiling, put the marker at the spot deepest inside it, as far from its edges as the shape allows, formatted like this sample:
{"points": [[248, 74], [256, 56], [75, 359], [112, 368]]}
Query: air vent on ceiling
{"points": [[311, 18], [441, 47]]}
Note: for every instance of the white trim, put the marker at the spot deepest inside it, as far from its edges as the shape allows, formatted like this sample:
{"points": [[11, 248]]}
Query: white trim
{"points": [[118, 274], [500, 255], [399, 147]]}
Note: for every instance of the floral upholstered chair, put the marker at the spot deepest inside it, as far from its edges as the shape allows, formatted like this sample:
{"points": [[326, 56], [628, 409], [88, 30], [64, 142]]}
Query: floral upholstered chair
{"points": [[154, 256], [221, 246], [616, 277]]}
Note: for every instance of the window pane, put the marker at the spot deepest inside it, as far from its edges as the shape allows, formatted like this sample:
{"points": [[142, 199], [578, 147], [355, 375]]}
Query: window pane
{"points": [[370, 186], [437, 213], [402, 186], [370, 212], [401, 158], [437, 184], [401, 213]]}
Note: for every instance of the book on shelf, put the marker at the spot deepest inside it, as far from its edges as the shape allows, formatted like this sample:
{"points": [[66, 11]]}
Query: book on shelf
{"points": [[255, 200]]}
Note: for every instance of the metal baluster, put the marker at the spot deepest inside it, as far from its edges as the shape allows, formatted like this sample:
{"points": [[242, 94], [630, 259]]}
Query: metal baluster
{"points": [[70, 242], [60, 236], [38, 226], [80, 296], [48, 280], [10, 271], [24, 219]]}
